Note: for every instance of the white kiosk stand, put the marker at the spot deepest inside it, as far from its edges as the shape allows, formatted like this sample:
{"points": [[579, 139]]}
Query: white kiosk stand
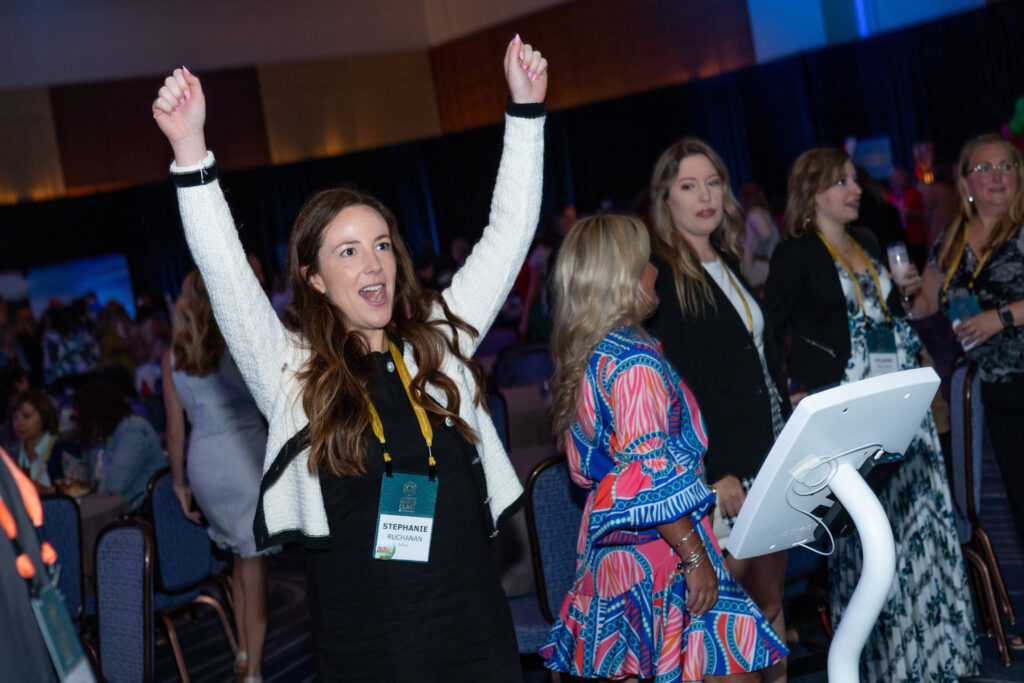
{"points": [[821, 451]]}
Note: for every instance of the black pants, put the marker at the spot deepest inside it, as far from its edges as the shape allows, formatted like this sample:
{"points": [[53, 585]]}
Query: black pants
{"points": [[1004, 415]]}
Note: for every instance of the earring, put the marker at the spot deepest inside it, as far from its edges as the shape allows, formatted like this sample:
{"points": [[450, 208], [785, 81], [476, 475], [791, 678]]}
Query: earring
{"points": [[970, 198], [807, 221]]}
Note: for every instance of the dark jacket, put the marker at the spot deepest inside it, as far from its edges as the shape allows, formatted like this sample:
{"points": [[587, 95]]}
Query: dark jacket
{"points": [[804, 298], [718, 361]]}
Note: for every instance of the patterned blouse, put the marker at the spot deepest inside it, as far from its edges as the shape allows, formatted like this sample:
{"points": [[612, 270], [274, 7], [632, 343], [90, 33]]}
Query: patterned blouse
{"points": [[999, 283]]}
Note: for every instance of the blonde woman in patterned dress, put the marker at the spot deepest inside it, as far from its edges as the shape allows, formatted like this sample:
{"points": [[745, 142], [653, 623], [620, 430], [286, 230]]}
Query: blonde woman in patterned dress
{"points": [[652, 598]]}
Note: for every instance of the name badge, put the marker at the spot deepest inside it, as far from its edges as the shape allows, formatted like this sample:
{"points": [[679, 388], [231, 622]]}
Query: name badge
{"points": [[963, 309], [405, 519], [55, 625], [882, 356]]}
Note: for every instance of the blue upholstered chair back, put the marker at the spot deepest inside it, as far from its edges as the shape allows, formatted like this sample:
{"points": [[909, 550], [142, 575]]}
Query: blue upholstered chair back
{"points": [[499, 415], [183, 553], [63, 528], [554, 508], [967, 423], [123, 607], [523, 364]]}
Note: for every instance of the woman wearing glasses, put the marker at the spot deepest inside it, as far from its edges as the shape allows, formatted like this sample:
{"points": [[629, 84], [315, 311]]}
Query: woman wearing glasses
{"points": [[976, 274]]}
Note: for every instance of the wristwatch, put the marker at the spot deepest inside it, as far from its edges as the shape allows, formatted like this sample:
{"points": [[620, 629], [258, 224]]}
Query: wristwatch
{"points": [[1006, 316]]}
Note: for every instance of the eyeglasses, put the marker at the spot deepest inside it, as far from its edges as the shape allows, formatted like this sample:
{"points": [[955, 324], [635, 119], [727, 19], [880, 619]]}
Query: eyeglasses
{"points": [[985, 168]]}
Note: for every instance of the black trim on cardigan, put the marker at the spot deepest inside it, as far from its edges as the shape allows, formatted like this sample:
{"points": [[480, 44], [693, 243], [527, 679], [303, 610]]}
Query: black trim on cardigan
{"points": [[201, 176], [525, 110]]}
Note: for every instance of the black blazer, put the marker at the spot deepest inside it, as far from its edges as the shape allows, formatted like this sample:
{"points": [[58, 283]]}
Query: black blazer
{"points": [[716, 357], [803, 296]]}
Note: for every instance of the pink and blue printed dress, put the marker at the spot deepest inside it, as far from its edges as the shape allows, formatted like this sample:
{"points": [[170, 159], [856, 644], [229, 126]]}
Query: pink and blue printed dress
{"points": [[637, 445]]}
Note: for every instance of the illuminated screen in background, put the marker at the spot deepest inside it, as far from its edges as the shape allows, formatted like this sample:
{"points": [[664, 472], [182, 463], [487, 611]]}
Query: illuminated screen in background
{"points": [[874, 154], [105, 276]]}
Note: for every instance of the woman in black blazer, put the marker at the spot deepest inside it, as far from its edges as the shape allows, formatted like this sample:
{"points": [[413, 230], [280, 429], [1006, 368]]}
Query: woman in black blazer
{"points": [[712, 330], [804, 293], [827, 286]]}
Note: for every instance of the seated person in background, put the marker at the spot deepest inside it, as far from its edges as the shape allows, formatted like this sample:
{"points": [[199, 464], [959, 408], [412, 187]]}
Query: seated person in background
{"points": [[123, 449], [40, 453], [13, 381]]}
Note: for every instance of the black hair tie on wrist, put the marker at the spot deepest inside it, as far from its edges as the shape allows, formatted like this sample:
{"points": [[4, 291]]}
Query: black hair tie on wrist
{"points": [[204, 175]]}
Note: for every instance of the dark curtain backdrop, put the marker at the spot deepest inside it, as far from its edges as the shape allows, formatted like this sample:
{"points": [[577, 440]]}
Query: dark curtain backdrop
{"points": [[943, 82]]}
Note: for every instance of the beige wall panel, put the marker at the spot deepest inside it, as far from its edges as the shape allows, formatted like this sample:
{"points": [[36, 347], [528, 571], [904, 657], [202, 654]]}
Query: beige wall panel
{"points": [[656, 43], [29, 157], [451, 19], [326, 108], [393, 98], [307, 109]]}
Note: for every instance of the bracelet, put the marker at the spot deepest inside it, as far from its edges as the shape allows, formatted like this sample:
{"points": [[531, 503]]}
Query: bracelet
{"points": [[691, 563], [683, 539], [686, 570], [202, 176], [693, 557]]}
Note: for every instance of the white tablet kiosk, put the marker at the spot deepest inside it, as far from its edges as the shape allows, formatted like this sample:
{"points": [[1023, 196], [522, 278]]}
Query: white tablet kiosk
{"points": [[817, 460]]}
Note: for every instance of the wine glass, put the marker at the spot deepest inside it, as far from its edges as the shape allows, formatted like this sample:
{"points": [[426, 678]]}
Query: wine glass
{"points": [[899, 267]]}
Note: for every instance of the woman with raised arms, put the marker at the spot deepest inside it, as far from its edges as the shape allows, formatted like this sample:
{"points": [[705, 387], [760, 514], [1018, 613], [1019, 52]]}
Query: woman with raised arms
{"points": [[376, 418]]}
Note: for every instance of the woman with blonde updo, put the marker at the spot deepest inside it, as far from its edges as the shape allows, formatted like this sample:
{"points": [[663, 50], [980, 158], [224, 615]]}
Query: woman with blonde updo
{"points": [[225, 454]]}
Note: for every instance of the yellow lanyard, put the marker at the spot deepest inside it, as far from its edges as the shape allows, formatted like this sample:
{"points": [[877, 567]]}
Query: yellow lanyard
{"points": [[853, 278], [956, 264], [746, 307], [421, 414]]}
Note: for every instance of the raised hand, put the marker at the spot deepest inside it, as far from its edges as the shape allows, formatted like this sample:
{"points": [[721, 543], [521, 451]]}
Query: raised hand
{"points": [[526, 72], [180, 112]]}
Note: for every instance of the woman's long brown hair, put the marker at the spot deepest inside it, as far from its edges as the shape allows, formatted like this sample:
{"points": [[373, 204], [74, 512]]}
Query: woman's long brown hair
{"points": [[337, 374], [692, 288]]}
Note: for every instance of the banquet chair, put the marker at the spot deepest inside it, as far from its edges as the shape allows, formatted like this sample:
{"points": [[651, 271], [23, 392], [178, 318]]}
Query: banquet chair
{"points": [[554, 509], [62, 524], [124, 609], [967, 421], [182, 563]]}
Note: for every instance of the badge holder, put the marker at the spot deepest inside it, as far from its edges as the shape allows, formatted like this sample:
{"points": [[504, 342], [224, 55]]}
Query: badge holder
{"points": [[882, 356], [68, 659], [962, 309], [405, 518]]}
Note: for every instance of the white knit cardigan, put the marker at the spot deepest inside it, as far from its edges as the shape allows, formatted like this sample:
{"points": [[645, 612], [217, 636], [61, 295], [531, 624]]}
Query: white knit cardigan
{"points": [[269, 356]]}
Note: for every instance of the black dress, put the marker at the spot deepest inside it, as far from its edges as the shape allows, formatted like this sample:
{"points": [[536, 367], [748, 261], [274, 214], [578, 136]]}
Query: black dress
{"points": [[443, 620]]}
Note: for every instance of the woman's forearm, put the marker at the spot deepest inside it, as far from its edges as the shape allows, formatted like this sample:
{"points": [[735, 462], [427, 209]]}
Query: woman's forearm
{"points": [[681, 530]]}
